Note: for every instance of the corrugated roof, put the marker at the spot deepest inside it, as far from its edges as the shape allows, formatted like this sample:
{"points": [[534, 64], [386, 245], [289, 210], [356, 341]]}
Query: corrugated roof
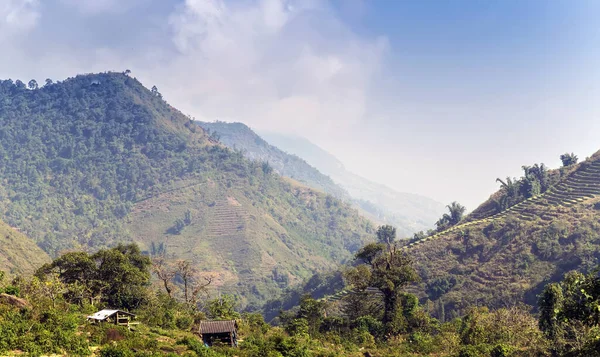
{"points": [[217, 326], [104, 314]]}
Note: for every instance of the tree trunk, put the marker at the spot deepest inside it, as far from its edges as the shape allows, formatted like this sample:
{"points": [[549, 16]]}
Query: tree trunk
{"points": [[389, 305]]}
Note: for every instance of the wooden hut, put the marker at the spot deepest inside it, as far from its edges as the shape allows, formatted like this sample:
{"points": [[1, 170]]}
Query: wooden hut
{"points": [[115, 317], [218, 331]]}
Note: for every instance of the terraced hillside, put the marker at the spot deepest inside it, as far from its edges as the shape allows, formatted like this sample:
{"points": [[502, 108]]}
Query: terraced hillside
{"points": [[19, 254], [247, 248], [505, 258]]}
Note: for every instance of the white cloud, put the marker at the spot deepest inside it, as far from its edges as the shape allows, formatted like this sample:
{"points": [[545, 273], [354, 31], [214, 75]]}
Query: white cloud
{"points": [[283, 65], [91, 7], [17, 16]]}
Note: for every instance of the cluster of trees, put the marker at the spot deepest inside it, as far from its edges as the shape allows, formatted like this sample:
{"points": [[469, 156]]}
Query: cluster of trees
{"points": [[380, 314], [455, 214], [570, 314], [536, 179], [116, 277]]}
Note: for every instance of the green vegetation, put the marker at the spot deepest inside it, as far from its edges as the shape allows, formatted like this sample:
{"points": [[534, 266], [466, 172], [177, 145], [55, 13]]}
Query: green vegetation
{"points": [[19, 254], [114, 277], [48, 318], [508, 257], [568, 159], [570, 314], [240, 137], [98, 159], [452, 218]]}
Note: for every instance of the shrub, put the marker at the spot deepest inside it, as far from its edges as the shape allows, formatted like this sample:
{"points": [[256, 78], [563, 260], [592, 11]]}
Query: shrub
{"points": [[115, 351]]}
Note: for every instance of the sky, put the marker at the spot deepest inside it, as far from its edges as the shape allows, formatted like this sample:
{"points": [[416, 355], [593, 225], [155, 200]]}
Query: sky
{"points": [[438, 98]]}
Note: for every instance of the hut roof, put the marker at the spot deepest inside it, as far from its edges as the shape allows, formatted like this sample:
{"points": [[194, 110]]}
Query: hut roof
{"points": [[104, 314], [208, 327]]}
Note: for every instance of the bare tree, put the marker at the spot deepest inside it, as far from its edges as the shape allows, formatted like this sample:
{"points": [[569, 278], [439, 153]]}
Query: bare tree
{"points": [[165, 272], [193, 282]]}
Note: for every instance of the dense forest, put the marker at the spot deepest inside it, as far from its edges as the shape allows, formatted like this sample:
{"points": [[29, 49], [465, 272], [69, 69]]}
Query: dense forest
{"points": [[99, 159]]}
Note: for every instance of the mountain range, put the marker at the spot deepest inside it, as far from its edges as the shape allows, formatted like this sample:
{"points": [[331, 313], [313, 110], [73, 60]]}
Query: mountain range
{"points": [[303, 161], [99, 159]]}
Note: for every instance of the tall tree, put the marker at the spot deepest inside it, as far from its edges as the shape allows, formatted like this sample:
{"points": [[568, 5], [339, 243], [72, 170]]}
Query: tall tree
{"points": [[568, 159], [570, 314], [455, 214], [391, 270], [119, 275]]}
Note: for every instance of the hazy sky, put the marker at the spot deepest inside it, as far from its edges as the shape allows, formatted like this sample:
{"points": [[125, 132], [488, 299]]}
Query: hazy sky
{"points": [[432, 97]]}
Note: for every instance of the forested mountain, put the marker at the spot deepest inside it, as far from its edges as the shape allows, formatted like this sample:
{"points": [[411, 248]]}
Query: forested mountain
{"points": [[19, 254], [503, 256], [321, 170], [241, 137], [99, 159]]}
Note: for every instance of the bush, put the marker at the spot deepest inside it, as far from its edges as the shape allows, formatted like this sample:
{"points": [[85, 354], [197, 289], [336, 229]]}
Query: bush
{"points": [[115, 351], [12, 290], [474, 351], [501, 350], [421, 343]]}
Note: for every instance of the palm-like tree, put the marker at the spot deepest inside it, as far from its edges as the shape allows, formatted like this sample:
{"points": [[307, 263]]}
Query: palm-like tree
{"points": [[455, 214]]}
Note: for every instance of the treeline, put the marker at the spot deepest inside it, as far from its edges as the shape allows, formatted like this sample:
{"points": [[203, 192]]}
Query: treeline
{"points": [[536, 180]]}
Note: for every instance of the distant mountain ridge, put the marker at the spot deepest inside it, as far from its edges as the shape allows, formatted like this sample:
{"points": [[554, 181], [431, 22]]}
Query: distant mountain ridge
{"points": [[408, 212], [239, 136], [412, 211]]}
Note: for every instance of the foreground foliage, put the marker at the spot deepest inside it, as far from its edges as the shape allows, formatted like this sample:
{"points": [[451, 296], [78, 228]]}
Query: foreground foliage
{"points": [[44, 315]]}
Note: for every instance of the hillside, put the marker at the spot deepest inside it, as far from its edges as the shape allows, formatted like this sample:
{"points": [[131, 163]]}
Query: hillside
{"points": [[18, 254], [408, 212], [505, 258], [99, 159], [241, 137]]}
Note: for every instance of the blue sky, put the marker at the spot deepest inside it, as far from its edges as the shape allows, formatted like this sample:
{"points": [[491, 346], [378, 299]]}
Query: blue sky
{"points": [[432, 97]]}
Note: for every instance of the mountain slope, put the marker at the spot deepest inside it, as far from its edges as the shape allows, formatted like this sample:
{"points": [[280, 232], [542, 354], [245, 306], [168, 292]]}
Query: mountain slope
{"points": [[410, 212], [99, 159], [508, 257], [19, 254], [240, 136]]}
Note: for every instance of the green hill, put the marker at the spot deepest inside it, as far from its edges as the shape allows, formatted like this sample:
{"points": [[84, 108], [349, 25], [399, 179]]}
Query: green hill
{"points": [[408, 212], [98, 159], [504, 258], [18, 254]]}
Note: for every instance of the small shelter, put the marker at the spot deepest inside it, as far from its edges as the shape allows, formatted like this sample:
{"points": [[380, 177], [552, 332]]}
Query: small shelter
{"points": [[115, 317], [219, 331]]}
